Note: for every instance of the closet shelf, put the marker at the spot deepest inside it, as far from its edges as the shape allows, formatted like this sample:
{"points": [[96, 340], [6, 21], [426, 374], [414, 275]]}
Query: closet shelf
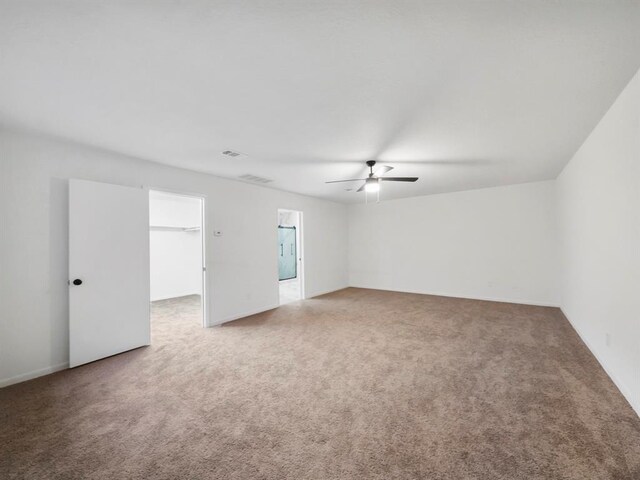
{"points": [[174, 228]]}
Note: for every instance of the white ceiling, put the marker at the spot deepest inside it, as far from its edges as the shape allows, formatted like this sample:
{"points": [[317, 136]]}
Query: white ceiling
{"points": [[492, 92]]}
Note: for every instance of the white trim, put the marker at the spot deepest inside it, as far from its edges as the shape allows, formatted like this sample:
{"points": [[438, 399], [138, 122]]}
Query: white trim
{"points": [[271, 307], [204, 298], [534, 303], [300, 259], [318, 294], [246, 314], [621, 386], [23, 377]]}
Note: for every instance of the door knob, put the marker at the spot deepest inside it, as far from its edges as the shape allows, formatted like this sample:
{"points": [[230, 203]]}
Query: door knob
{"points": [[77, 281]]}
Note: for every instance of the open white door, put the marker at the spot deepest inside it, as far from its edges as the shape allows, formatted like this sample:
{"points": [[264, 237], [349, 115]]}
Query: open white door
{"points": [[108, 270]]}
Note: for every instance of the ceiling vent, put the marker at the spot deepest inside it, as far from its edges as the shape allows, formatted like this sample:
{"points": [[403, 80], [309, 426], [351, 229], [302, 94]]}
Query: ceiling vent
{"points": [[231, 153], [254, 178]]}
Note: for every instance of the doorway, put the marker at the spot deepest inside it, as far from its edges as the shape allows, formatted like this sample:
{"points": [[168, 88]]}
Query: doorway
{"points": [[177, 272], [290, 254]]}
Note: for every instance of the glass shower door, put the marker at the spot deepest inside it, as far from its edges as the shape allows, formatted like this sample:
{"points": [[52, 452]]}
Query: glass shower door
{"points": [[287, 264]]}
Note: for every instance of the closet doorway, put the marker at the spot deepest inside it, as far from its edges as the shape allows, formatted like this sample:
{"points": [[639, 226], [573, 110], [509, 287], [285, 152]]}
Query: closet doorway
{"points": [[290, 268], [177, 262]]}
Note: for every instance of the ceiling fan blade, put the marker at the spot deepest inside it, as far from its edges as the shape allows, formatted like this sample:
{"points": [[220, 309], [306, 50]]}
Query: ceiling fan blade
{"points": [[378, 172], [350, 180], [398, 179], [361, 188]]}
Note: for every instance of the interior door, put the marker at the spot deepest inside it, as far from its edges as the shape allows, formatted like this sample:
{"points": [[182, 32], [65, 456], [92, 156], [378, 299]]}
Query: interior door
{"points": [[287, 264], [108, 270]]}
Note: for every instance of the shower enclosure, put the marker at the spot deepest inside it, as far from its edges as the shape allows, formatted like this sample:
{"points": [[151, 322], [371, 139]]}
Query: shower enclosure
{"points": [[287, 259]]}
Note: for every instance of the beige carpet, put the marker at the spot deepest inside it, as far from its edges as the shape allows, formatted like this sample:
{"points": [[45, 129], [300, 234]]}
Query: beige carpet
{"points": [[356, 384]]}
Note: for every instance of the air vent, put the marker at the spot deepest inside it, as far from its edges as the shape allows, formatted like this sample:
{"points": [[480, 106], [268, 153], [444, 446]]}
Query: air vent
{"points": [[231, 153], [254, 178]]}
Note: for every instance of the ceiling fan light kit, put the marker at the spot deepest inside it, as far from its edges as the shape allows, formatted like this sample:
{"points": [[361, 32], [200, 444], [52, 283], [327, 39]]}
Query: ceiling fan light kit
{"points": [[372, 182], [372, 185]]}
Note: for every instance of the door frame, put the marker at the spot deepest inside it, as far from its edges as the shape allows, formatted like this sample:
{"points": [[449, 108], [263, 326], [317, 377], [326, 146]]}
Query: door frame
{"points": [[205, 310], [299, 248]]}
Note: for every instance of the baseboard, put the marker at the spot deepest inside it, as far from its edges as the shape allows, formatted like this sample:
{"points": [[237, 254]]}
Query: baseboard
{"points": [[34, 374], [265, 309], [466, 297], [621, 386], [325, 292], [245, 314]]}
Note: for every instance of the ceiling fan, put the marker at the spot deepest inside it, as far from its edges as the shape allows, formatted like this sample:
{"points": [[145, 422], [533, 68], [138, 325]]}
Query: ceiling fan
{"points": [[372, 183]]}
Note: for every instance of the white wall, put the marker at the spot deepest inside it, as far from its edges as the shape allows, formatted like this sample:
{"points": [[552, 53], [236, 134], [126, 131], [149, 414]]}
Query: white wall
{"points": [[599, 215], [242, 264], [288, 218], [176, 255], [495, 243]]}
